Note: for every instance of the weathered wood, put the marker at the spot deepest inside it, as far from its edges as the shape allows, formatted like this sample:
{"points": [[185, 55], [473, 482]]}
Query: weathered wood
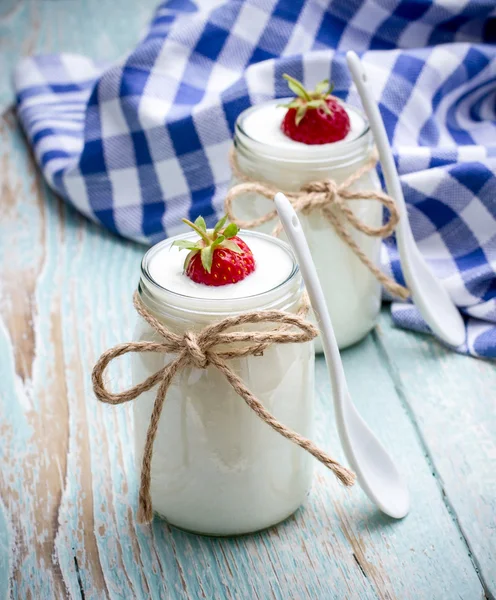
{"points": [[451, 399], [422, 555], [68, 484], [100, 29]]}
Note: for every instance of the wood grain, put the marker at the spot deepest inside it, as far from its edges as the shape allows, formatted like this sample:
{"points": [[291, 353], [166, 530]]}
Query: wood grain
{"points": [[68, 483], [101, 29], [422, 555], [452, 401]]}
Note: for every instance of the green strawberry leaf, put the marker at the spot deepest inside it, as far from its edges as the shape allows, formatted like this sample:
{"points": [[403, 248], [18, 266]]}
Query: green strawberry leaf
{"points": [[207, 257], [293, 104], [300, 113], [326, 109], [315, 103], [201, 232], [231, 230], [185, 244], [218, 241], [230, 245], [296, 87], [200, 223], [322, 87], [189, 258], [220, 224]]}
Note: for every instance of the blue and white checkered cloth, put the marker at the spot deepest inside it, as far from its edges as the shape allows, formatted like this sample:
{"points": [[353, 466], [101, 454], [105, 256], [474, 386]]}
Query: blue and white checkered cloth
{"points": [[138, 145]]}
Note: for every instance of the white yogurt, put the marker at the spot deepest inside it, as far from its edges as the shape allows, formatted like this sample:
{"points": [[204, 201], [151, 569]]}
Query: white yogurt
{"points": [[273, 267], [264, 125], [265, 153], [217, 468]]}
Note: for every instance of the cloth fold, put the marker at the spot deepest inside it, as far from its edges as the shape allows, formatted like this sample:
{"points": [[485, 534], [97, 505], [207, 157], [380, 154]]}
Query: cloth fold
{"points": [[140, 144]]}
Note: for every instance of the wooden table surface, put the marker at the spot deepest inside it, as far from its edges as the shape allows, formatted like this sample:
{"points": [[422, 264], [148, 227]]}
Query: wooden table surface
{"points": [[68, 486]]}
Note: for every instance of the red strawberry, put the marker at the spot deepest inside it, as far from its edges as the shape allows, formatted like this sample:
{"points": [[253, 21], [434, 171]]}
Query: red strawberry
{"points": [[314, 117], [219, 257]]}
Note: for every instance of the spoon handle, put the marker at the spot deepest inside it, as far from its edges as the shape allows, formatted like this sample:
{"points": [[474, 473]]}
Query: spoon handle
{"points": [[298, 242], [428, 293], [376, 472], [393, 184]]}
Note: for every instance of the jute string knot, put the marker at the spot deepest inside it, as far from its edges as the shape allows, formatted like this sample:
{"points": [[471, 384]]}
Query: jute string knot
{"points": [[316, 194], [332, 200], [213, 347], [197, 355]]}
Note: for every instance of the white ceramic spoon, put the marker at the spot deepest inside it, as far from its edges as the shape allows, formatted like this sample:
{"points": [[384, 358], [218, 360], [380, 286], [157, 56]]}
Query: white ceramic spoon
{"points": [[376, 472], [428, 293]]}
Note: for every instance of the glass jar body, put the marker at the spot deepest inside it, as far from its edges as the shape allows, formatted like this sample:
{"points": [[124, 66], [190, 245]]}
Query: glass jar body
{"points": [[352, 292], [217, 468]]}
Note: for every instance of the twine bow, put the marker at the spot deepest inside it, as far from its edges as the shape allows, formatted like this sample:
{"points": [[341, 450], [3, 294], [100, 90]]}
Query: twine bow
{"points": [[201, 350], [332, 200]]}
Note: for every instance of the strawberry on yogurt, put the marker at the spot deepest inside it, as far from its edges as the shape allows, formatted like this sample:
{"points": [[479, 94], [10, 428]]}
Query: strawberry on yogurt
{"points": [[219, 256], [315, 117]]}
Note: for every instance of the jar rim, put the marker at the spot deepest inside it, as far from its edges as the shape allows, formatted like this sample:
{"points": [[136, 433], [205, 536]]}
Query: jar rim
{"points": [[261, 300], [348, 151]]}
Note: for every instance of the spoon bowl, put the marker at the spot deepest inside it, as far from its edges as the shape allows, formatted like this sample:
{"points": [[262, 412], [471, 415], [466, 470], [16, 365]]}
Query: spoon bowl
{"points": [[376, 472]]}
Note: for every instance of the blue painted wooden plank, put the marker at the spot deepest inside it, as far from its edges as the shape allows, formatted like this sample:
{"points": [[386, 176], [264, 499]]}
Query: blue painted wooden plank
{"points": [[101, 29], [6, 534], [422, 555], [26, 465], [452, 400]]}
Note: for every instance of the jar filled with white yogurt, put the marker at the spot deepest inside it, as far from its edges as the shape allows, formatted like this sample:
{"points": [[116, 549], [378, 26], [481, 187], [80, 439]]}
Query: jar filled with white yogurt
{"points": [[217, 468], [264, 153]]}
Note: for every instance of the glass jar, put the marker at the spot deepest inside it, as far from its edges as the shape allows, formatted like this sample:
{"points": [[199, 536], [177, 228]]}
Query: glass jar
{"points": [[263, 153], [217, 468]]}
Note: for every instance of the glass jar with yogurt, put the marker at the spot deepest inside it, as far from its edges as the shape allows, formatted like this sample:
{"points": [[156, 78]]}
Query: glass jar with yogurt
{"points": [[217, 468], [266, 154]]}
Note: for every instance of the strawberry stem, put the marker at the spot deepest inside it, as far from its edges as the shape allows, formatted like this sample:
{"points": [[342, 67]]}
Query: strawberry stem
{"points": [[201, 233], [306, 100], [297, 87], [209, 240], [223, 237]]}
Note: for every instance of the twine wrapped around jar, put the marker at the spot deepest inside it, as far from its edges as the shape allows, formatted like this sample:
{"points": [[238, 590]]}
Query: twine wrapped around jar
{"points": [[331, 199], [201, 350]]}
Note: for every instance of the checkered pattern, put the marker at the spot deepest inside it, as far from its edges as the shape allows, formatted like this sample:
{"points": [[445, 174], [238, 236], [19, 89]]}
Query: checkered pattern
{"points": [[138, 145]]}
